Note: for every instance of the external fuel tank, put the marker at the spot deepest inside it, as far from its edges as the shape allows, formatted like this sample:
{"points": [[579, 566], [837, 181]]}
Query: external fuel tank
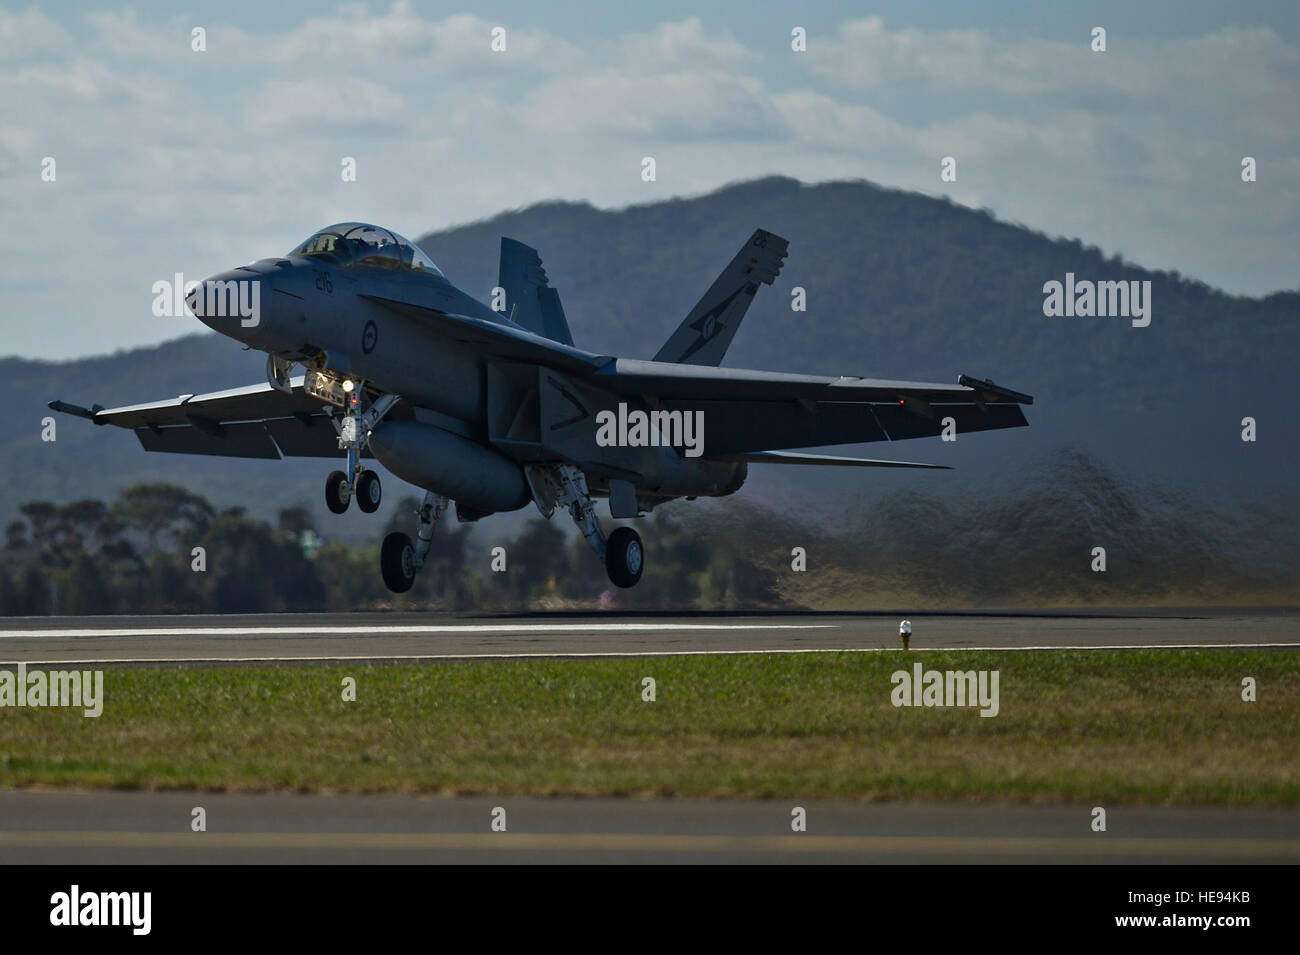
{"points": [[469, 473]]}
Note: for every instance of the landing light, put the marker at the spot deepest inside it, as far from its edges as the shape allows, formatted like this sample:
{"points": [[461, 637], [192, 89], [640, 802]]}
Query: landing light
{"points": [[348, 386]]}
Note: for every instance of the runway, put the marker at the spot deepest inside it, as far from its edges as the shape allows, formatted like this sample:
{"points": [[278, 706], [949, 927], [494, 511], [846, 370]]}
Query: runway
{"points": [[73, 827], [78, 828], [307, 638]]}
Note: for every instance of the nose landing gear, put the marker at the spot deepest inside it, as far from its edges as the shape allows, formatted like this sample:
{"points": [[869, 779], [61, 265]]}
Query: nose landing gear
{"points": [[337, 493], [354, 431], [369, 492]]}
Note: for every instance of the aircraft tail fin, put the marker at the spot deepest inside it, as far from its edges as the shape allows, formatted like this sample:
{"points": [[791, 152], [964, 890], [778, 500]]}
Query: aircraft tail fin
{"points": [[706, 333], [531, 302]]}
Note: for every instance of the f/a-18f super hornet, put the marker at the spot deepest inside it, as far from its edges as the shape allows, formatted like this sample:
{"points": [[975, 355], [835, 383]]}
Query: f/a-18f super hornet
{"points": [[493, 408]]}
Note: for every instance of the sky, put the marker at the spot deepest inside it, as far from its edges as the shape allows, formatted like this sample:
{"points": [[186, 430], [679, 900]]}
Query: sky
{"points": [[170, 160]]}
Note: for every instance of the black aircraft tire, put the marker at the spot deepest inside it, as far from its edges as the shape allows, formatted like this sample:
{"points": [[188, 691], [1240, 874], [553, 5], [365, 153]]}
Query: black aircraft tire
{"points": [[624, 557], [369, 492], [397, 562], [337, 495]]}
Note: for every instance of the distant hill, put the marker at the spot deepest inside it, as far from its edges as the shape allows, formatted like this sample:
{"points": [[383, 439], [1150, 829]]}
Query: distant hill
{"points": [[898, 285]]}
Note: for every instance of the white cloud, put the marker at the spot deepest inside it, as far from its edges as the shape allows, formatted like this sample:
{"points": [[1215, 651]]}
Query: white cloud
{"points": [[193, 162], [682, 43], [314, 105], [400, 37], [122, 36], [865, 54], [30, 34], [83, 79], [656, 108]]}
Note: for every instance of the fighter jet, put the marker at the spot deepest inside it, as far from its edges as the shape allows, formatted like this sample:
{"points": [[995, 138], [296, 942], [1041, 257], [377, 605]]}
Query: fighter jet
{"points": [[493, 407]]}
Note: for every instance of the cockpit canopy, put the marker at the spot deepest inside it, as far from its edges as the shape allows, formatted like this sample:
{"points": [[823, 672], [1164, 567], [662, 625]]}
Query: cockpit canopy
{"points": [[356, 243]]}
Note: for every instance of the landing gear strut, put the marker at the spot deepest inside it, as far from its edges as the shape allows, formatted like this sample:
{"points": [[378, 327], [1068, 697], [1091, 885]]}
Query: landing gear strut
{"points": [[399, 558], [354, 431], [566, 486]]}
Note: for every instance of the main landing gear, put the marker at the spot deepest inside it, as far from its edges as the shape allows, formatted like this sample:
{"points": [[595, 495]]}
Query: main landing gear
{"points": [[565, 486], [553, 486], [623, 557], [354, 431], [399, 558]]}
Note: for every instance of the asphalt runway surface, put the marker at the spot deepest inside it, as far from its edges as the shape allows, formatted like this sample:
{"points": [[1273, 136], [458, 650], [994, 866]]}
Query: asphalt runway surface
{"points": [[75, 828], [305, 638]]}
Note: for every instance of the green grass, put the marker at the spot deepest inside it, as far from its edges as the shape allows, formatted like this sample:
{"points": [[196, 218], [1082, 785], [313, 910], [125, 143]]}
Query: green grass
{"points": [[1118, 726]]}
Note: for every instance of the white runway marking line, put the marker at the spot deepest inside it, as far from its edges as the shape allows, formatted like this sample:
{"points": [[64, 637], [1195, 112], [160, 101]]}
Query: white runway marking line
{"points": [[562, 655], [430, 628]]}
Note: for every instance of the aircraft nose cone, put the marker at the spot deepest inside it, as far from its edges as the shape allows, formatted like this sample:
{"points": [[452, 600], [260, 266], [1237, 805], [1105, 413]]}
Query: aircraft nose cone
{"points": [[228, 300]]}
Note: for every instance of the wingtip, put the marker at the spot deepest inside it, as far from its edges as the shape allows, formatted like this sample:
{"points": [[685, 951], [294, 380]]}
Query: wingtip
{"points": [[66, 407], [989, 386]]}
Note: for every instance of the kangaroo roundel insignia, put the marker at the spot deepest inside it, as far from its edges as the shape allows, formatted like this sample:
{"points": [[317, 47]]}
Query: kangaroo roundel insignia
{"points": [[370, 337]]}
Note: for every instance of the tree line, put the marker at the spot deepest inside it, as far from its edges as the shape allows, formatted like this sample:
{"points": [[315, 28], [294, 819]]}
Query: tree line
{"points": [[160, 548]]}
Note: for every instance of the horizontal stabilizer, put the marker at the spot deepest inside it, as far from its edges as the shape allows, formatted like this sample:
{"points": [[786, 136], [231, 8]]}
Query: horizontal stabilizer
{"points": [[790, 457]]}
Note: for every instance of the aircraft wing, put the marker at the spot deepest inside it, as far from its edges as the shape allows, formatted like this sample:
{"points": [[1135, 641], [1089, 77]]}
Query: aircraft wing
{"points": [[258, 421], [667, 380], [748, 411], [699, 382]]}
